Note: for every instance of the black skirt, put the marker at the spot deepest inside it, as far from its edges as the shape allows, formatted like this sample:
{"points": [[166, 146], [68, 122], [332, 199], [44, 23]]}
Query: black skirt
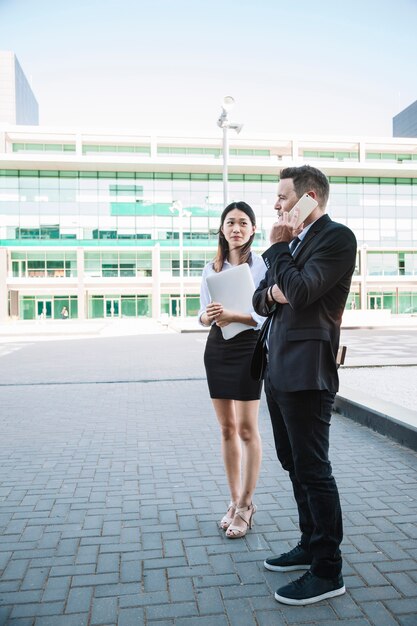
{"points": [[227, 365]]}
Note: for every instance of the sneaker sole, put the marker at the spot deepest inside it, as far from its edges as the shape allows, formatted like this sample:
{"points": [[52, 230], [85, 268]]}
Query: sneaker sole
{"points": [[323, 596], [285, 568]]}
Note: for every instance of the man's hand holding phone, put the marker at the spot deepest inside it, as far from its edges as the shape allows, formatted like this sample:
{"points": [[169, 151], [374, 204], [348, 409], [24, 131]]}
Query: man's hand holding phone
{"points": [[291, 223], [285, 228]]}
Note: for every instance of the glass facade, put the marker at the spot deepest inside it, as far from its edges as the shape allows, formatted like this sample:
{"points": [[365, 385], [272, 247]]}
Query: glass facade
{"points": [[138, 206], [107, 243]]}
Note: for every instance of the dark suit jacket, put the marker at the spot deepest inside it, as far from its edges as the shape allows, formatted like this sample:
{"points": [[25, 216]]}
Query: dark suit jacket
{"points": [[304, 335]]}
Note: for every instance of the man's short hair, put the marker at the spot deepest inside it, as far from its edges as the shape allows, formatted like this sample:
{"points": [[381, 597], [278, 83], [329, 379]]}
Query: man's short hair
{"points": [[306, 178]]}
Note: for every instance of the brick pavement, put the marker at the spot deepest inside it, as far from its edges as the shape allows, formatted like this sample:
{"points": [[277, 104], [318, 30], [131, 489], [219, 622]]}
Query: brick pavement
{"points": [[110, 494]]}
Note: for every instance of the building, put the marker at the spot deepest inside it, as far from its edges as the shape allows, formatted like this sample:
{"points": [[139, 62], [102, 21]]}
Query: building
{"points": [[18, 104], [121, 224], [404, 124]]}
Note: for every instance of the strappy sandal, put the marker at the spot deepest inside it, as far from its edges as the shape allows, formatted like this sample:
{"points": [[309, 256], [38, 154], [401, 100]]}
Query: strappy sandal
{"points": [[234, 532], [228, 518]]}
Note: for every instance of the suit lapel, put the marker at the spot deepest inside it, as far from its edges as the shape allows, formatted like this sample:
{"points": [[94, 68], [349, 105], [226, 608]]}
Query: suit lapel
{"points": [[316, 228]]}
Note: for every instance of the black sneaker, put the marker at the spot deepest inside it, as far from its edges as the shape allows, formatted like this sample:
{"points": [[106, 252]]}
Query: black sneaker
{"points": [[297, 558], [309, 589]]}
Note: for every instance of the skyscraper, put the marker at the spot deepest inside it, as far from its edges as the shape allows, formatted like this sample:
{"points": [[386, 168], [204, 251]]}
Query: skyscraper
{"points": [[18, 104], [404, 124]]}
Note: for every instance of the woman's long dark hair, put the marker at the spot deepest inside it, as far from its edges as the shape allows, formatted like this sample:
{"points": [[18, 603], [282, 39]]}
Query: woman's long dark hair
{"points": [[223, 246]]}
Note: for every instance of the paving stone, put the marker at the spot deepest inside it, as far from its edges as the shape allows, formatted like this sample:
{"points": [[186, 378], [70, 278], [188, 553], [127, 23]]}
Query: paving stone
{"points": [[117, 522], [56, 589], [160, 611], [15, 570], [35, 578], [181, 590], [39, 609], [104, 611], [378, 614], [131, 617], [209, 601], [107, 563]]}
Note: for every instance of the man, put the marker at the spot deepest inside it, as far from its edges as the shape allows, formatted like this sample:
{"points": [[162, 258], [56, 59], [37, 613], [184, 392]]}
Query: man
{"points": [[304, 293]]}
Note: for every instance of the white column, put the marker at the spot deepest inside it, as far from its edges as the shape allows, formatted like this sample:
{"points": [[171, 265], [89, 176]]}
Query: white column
{"points": [[156, 282], [81, 287], [294, 151], [3, 286], [181, 244], [362, 152], [364, 271]]}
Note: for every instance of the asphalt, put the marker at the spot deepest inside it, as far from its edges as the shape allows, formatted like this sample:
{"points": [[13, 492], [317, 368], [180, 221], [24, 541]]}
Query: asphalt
{"points": [[111, 486]]}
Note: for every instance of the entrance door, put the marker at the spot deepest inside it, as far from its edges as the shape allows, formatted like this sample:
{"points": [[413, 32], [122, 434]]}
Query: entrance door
{"points": [[112, 307], [375, 302], [44, 309], [174, 306]]}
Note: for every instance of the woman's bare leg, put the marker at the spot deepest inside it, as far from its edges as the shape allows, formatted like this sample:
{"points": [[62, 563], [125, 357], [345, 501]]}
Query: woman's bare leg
{"points": [[231, 448], [248, 432]]}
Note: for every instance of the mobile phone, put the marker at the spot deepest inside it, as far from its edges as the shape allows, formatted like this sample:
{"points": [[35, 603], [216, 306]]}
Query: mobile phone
{"points": [[305, 206]]}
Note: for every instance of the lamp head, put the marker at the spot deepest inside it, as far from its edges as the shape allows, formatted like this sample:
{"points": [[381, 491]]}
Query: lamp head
{"points": [[228, 103]]}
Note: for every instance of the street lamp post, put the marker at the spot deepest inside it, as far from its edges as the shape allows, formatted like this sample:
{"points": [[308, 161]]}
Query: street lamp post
{"points": [[224, 123], [177, 206]]}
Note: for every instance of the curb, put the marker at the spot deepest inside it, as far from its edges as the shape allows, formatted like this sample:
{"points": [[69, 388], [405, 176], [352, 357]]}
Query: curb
{"points": [[379, 416]]}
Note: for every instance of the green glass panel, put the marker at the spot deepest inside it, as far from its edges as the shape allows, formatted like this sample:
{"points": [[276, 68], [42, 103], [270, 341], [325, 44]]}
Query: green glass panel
{"points": [[192, 305], [128, 306], [144, 306], [95, 307], [49, 174], [13, 173], [68, 174], [88, 174], [28, 308], [125, 174]]}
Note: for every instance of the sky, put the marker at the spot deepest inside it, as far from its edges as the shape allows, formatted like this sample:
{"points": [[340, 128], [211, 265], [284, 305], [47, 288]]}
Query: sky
{"points": [[294, 67]]}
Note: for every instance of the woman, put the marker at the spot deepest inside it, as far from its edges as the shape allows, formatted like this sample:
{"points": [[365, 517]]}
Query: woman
{"points": [[235, 395]]}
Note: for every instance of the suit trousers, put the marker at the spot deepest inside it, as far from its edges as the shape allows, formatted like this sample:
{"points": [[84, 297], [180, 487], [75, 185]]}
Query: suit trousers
{"points": [[301, 423]]}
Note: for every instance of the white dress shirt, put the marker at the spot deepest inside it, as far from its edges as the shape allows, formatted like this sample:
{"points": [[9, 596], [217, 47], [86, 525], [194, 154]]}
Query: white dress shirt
{"points": [[258, 270]]}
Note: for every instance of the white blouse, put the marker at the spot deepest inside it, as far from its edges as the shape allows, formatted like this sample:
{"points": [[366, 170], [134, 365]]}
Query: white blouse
{"points": [[258, 270]]}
